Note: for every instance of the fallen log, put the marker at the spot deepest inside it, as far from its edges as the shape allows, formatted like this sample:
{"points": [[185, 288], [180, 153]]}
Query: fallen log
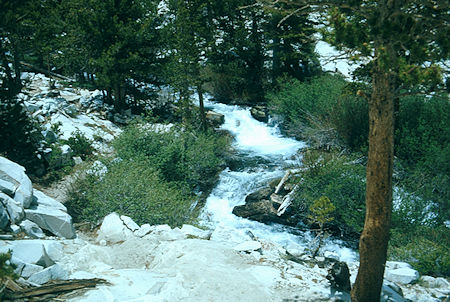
{"points": [[287, 200], [46, 72], [286, 177], [54, 289], [282, 181]]}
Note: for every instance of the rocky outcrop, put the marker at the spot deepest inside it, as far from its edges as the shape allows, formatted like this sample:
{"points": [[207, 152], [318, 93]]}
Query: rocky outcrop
{"points": [[15, 183], [14, 209], [214, 118], [260, 113], [30, 209], [54, 220], [400, 272], [263, 211], [262, 205], [63, 111]]}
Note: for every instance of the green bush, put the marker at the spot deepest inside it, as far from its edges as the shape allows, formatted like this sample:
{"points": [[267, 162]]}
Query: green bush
{"points": [[425, 248], [300, 103], [350, 118], [422, 128], [342, 181], [81, 146], [181, 156], [6, 268], [155, 179], [131, 188], [423, 146], [410, 210], [324, 110]]}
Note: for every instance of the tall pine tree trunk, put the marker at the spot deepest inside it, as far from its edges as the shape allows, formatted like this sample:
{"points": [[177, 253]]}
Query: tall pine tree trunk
{"points": [[375, 236], [202, 108]]}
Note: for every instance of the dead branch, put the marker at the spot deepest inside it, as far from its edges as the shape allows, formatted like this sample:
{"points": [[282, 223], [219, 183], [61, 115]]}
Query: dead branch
{"points": [[282, 181], [292, 14], [46, 72], [287, 200], [13, 291]]}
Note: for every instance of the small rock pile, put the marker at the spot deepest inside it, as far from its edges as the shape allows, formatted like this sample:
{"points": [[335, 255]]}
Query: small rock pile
{"points": [[64, 111]]}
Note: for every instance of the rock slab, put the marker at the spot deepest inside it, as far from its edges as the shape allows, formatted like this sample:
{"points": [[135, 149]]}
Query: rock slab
{"points": [[13, 178]]}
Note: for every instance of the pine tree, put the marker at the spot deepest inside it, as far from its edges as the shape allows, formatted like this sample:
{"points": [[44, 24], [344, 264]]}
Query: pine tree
{"points": [[115, 40], [191, 35], [400, 43]]}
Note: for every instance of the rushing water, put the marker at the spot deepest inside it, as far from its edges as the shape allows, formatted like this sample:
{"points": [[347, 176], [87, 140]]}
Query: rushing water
{"points": [[268, 154]]}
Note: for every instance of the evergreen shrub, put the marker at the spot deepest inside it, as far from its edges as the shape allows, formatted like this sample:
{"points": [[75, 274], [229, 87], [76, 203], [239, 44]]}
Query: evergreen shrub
{"points": [[422, 129], [6, 267], [131, 188], [81, 146], [183, 156], [343, 182], [323, 109], [299, 102], [154, 179]]}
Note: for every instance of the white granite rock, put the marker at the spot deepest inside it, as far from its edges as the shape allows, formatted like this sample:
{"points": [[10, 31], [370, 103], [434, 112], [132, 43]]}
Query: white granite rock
{"points": [[54, 249], [113, 229], [57, 221], [129, 223], [168, 235], [390, 265], [143, 230], [4, 218], [248, 246], [403, 275], [49, 135], [7, 187], [193, 231], [15, 175], [31, 229], [15, 228], [54, 272], [71, 110], [432, 282], [66, 154], [32, 252], [331, 255], [158, 229], [13, 207], [43, 200], [77, 160], [30, 269], [31, 107]]}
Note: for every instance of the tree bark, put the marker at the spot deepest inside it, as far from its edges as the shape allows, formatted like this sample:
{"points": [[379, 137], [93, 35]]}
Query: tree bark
{"points": [[374, 238], [202, 108]]}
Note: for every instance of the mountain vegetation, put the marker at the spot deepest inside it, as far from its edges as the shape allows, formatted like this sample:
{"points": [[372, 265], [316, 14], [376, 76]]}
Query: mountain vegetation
{"points": [[390, 119]]}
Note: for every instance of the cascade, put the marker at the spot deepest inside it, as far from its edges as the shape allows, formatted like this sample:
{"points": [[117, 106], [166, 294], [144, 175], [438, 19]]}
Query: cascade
{"points": [[267, 154]]}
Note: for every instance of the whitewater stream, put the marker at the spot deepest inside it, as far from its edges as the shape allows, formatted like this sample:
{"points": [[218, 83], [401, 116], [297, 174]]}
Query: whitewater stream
{"points": [[265, 155]]}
